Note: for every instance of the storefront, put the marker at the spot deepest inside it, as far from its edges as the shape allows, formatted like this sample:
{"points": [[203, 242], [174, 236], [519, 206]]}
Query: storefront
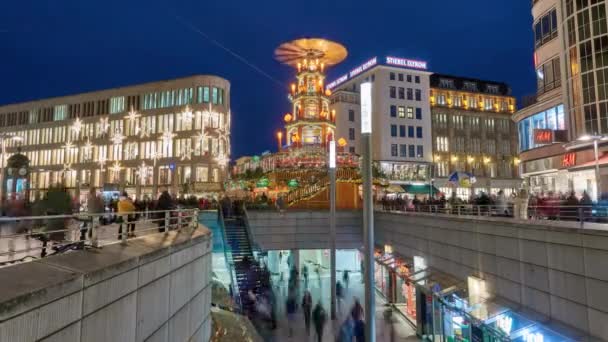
{"points": [[384, 273]]}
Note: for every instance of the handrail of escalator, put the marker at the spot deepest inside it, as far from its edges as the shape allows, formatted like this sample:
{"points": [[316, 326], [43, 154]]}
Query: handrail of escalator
{"points": [[230, 262], [252, 242]]}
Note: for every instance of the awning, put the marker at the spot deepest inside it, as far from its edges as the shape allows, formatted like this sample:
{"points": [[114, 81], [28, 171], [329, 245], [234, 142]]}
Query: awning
{"points": [[393, 188], [419, 189]]}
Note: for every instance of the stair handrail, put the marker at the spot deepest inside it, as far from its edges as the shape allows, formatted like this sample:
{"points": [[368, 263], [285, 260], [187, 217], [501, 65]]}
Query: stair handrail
{"points": [[254, 245], [236, 294]]}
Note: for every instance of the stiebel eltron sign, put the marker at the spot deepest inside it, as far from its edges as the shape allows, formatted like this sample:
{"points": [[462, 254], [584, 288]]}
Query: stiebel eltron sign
{"points": [[543, 136]]}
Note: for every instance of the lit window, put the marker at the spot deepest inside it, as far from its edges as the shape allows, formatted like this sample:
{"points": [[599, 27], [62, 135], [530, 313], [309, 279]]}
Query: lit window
{"points": [[401, 111], [410, 112], [117, 104], [60, 112]]}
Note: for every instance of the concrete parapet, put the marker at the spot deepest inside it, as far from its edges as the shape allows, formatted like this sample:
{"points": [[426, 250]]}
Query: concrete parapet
{"points": [[155, 288]]}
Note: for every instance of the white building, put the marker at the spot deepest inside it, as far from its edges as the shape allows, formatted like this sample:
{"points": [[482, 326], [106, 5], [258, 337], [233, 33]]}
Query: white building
{"points": [[401, 116]]}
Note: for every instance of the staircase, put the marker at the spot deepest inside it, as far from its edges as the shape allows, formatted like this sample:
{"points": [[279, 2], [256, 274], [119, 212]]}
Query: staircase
{"points": [[246, 268]]}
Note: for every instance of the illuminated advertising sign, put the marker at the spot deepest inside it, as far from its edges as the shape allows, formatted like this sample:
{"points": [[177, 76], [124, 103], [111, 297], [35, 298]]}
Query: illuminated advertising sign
{"points": [[406, 63], [543, 136], [393, 61], [361, 68], [339, 80], [366, 108], [569, 159]]}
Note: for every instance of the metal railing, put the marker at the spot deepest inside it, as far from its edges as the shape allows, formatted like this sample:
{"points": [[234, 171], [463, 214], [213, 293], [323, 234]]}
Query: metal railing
{"points": [[32, 237], [573, 213], [234, 286]]}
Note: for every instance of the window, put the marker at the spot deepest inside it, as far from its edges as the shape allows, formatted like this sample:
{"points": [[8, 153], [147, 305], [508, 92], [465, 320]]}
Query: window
{"points": [[457, 101], [214, 95], [203, 94], [351, 115], [393, 150], [409, 78], [458, 143], [475, 146], [392, 76], [441, 144], [418, 132], [474, 123], [458, 121], [401, 93], [440, 120], [351, 149], [417, 79], [418, 113], [488, 103], [33, 116], [351, 133], [441, 99], [393, 111], [117, 104], [401, 77], [472, 102], [402, 150], [545, 28], [60, 112], [402, 131], [442, 169], [446, 83], [393, 130], [492, 89], [410, 131], [392, 92], [410, 112], [418, 95], [491, 147], [410, 94], [412, 151], [420, 151], [401, 112], [469, 86], [490, 125]]}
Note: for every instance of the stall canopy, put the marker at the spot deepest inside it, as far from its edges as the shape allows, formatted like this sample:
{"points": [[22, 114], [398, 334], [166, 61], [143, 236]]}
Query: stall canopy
{"points": [[419, 189]]}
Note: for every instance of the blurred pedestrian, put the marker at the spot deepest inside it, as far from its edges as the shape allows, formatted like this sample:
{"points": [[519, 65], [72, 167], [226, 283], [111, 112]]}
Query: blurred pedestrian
{"points": [[339, 296], [305, 275], [125, 208], [319, 317], [165, 203], [347, 330], [291, 306], [307, 310], [346, 278]]}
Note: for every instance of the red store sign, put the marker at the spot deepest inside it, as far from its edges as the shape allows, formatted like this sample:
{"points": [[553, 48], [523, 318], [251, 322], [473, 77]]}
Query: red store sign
{"points": [[543, 136], [569, 159]]}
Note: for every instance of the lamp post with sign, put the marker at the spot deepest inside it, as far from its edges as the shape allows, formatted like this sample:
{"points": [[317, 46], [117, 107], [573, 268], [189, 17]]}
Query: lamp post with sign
{"points": [[368, 210], [332, 222]]}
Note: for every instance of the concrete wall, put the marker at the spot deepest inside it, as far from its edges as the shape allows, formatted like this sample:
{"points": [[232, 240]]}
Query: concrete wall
{"points": [[156, 288], [555, 270], [305, 229]]}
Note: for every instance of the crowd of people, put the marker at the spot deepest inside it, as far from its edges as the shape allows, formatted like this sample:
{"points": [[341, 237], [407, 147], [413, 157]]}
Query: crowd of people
{"points": [[521, 205], [263, 306]]}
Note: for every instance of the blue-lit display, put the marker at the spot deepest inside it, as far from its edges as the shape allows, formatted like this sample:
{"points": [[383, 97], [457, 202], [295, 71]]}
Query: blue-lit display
{"points": [[552, 118]]}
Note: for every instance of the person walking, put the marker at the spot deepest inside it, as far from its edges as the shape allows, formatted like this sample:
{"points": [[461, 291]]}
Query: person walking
{"points": [[291, 306], [346, 277], [305, 275], [95, 207], [165, 203], [307, 310], [339, 296], [125, 207], [319, 317]]}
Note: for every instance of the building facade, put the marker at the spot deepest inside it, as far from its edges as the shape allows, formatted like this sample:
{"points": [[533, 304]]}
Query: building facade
{"points": [[146, 138], [401, 118], [570, 108], [472, 132]]}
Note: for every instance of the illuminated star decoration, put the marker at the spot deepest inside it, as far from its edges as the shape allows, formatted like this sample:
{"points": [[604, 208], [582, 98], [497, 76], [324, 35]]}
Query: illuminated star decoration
{"points": [[116, 167], [132, 115], [142, 171], [77, 126], [187, 116], [186, 153], [131, 151], [104, 126], [67, 167], [118, 137], [143, 130], [102, 163], [166, 137], [87, 150], [155, 155]]}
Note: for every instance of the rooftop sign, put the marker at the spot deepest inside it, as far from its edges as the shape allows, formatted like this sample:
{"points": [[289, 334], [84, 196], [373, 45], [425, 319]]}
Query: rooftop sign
{"points": [[392, 61]]}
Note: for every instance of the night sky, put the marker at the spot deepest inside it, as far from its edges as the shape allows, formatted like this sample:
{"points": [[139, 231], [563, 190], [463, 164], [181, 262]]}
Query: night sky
{"points": [[60, 47]]}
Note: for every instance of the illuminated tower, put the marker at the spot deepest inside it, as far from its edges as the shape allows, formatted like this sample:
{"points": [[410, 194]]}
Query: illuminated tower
{"points": [[311, 123]]}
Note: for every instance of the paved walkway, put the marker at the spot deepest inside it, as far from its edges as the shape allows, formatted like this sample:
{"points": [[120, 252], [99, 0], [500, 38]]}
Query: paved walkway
{"points": [[400, 330]]}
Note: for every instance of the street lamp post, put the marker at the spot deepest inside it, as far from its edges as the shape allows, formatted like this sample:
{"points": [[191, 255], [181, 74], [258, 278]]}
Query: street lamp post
{"points": [[368, 210], [332, 223]]}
